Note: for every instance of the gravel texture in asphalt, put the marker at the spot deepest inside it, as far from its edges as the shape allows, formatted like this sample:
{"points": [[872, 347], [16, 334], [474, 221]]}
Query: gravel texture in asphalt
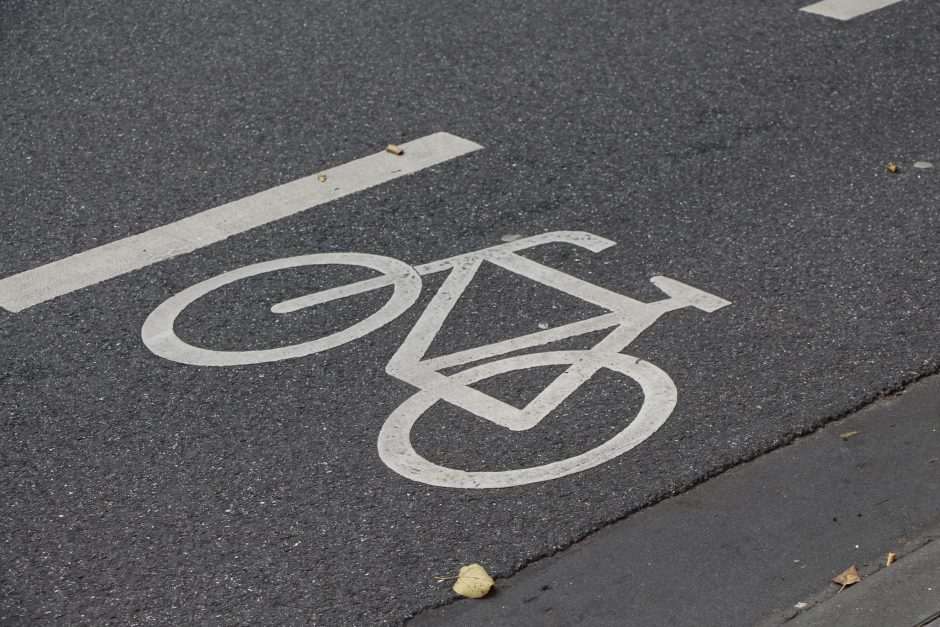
{"points": [[738, 148]]}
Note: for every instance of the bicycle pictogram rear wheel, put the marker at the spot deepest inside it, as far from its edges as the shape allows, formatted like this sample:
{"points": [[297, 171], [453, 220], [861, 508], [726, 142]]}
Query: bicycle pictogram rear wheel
{"points": [[159, 336], [659, 400]]}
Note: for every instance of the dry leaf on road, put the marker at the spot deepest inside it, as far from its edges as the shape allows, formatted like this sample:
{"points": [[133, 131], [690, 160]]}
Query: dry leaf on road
{"points": [[847, 578], [473, 582]]}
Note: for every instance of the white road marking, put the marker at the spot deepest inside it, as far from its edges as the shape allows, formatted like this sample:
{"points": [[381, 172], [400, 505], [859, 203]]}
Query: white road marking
{"points": [[847, 9], [659, 392], [628, 318], [35, 286]]}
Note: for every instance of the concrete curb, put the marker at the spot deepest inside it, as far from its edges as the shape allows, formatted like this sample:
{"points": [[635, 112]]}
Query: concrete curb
{"points": [[906, 593]]}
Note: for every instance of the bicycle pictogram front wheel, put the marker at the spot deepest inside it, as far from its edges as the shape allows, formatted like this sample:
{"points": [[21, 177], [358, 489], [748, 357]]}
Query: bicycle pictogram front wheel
{"points": [[659, 400]]}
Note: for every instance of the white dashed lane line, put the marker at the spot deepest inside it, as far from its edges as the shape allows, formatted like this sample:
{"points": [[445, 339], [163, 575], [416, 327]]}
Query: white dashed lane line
{"points": [[847, 9], [32, 287]]}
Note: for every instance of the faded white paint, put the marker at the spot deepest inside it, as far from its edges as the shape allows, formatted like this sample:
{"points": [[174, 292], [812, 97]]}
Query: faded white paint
{"points": [[84, 269], [627, 318], [847, 9]]}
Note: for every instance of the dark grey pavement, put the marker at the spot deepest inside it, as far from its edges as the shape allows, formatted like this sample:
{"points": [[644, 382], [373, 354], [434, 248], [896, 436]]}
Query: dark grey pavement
{"points": [[746, 547], [908, 594], [736, 146]]}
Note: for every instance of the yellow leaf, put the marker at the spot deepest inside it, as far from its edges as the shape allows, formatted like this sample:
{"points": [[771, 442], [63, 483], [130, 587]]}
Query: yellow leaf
{"points": [[848, 577], [892, 168], [473, 582], [848, 434]]}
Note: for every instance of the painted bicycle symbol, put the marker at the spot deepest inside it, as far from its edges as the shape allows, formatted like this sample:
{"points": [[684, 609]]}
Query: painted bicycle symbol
{"points": [[627, 318]]}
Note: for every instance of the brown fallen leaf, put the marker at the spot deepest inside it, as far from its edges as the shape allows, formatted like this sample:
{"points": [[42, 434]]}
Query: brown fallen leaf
{"points": [[395, 150], [847, 578], [892, 168], [848, 434], [891, 558], [472, 582], [321, 178]]}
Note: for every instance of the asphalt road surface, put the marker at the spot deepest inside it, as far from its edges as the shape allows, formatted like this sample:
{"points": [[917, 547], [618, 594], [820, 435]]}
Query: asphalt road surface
{"points": [[736, 147]]}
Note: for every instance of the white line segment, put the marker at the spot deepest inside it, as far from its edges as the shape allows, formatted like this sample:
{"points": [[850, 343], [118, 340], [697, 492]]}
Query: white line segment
{"points": [[847, 9], [32, 287]]}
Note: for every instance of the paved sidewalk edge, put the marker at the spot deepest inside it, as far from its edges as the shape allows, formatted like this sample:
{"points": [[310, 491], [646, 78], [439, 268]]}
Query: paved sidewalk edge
{"points": [[930, 368], [907, 593]]}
